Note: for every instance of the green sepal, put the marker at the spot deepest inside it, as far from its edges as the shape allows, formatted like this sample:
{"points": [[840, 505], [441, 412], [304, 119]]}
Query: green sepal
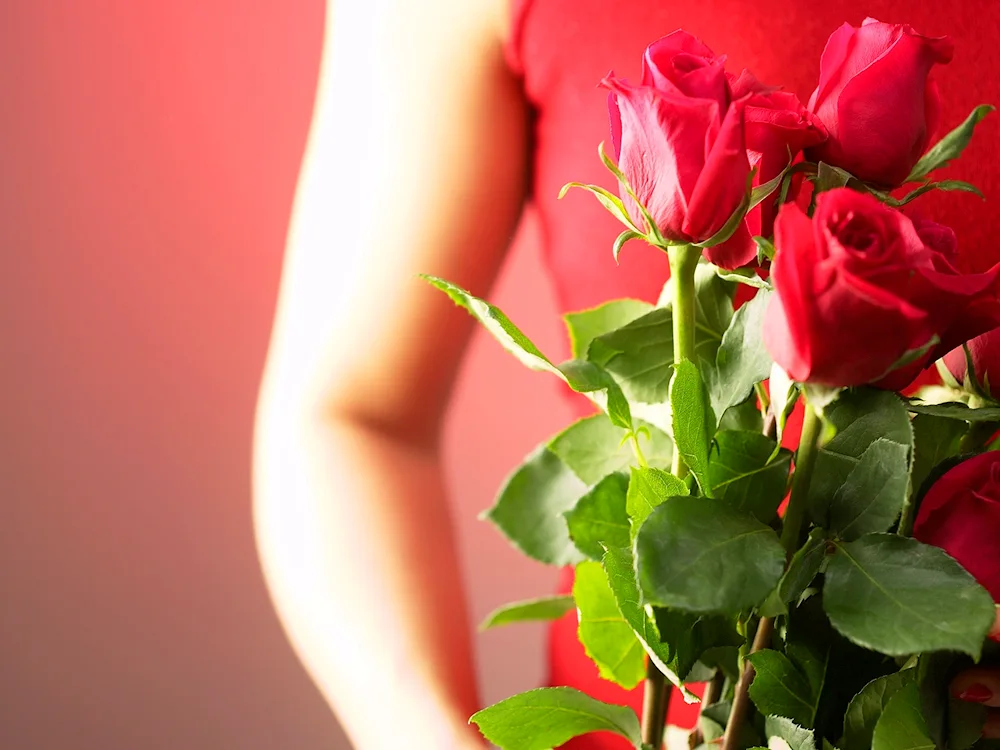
{"points": [[951, 146]]}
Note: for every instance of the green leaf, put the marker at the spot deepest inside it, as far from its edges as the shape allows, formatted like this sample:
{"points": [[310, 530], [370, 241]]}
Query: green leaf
{"points": [[935, 439], [803, 567], [866, 707], [951, 146], [898, 596], [693, 421], [812, 660], [581, 376], [785, 734], [593, 447], [698, 554], [606, 636], [586, 377], [530, 610], [498, 324], [965, 723], [901, 725], [620, 571], [547, 717], [741, 472], [742, 361], [599, 517], [529, 509], [586, 325], [648, 488], [765, 248], [713, 311], [873, 493], [610, 201], [779, 689], [640, 355], [745, 417], [956, 411], [860, 417]]}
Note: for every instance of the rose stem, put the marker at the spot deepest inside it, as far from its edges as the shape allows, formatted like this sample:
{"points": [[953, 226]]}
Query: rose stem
{"points": [[713, 691], [683, 264], [795, 513]]}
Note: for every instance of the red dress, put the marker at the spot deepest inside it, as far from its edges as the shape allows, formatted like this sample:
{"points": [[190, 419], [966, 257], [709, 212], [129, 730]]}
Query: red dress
{"points": [[562, 48]]}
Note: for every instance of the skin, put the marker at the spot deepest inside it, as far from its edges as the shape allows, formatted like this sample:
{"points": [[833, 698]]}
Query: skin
{"points": [[417, 162]]}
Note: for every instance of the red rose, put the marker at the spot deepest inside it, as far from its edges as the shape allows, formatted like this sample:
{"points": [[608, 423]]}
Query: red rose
{"points": [[856, 288], [961, 514], [985, 352], [678, 138], [876, 99], [776, 126]]}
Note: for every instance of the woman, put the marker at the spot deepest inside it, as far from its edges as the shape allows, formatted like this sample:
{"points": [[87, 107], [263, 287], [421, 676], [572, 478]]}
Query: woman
{"points": [[435, 122]]}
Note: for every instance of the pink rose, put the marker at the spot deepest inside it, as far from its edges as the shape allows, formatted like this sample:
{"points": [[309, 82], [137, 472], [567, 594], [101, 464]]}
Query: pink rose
{"points": [[961, 514], [856, 288], [678, 138], [877, 100]]}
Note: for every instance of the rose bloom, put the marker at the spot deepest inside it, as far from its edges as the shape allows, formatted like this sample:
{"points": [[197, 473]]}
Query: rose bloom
{"points": [[857, 288], [877, 100], [777, 127], [985, 353], [679, 140], [961, 514]]}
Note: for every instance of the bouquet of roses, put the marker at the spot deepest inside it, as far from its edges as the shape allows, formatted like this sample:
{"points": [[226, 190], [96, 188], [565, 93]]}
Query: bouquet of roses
{"points": [[825, 594]]}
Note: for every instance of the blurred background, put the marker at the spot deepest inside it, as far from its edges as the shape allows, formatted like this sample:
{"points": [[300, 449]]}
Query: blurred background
{"points": [[148, 159]]}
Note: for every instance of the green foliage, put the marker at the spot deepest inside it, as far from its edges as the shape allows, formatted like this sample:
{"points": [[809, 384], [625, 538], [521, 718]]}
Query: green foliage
{"points": [[605, 634], [648, 488], [785, 734], [935, 439], [599, 517], [780, 689], [956, 411], [529, 509], [860, 417], [586, 325], [802, 569], [901, 725], [530, 610], [866, 707], [697, 554], [610, 201], [640, 355], [581, 376], [951, 146], [747, 470], [620, 571], [873, 493], [547, 717], [741, 361], [693, 421], [593, 447], [898, 596]]}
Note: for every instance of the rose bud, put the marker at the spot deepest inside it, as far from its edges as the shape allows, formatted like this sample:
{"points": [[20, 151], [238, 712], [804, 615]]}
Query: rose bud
{"points": [[985, 353], [877, 100], [856, 289], [678, 139], [777, 128], [961, 514]]}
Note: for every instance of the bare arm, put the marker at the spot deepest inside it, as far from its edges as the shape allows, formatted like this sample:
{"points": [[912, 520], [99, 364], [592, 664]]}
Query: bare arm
{"points": [[415, 164]]}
